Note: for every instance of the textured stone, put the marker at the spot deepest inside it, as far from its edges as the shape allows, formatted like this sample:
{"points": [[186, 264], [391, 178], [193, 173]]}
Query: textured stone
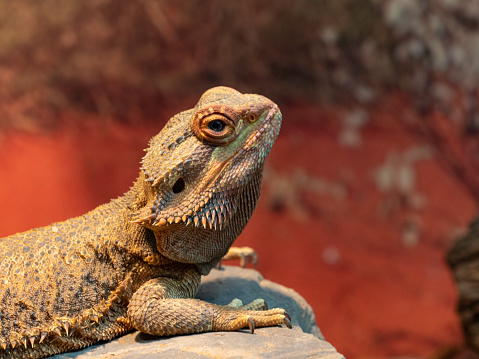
{"points": [[221, 286]]}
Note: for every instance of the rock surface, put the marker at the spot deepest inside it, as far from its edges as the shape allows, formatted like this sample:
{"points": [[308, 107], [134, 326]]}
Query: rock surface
{"points": [[221, 286]]}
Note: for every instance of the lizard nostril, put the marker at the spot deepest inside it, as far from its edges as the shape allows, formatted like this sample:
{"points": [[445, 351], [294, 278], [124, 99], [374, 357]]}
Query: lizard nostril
{"points": [[179, 185]]}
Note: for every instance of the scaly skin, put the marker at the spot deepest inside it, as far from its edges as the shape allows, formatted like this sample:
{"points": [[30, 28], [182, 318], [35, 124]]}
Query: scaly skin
{"points": [[136, 262], [463, 259]]}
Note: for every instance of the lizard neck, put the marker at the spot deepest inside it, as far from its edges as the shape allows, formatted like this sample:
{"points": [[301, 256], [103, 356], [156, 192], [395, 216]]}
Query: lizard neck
{"points": [[114, 230]]}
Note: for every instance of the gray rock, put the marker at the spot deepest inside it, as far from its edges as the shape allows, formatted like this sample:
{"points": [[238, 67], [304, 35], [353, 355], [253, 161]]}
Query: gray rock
{"points": [[221, 286]]}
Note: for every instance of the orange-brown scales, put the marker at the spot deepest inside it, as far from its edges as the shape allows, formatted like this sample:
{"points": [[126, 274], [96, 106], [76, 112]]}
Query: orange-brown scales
{"points": [[136, 262]]}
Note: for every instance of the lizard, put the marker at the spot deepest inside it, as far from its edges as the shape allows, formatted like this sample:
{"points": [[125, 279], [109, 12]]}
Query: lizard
{"points": [[136, 262]]}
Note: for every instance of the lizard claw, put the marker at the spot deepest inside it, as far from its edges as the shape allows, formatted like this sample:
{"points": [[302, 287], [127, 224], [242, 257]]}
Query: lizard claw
{"points": [[251, 325], [287, 316], [248, 258], [287, 321]]}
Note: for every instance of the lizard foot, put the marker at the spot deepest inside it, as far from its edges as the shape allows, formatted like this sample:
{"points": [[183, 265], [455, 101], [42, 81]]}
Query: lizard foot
{"points": [[235, 316], [257, 304], [244, 254]]}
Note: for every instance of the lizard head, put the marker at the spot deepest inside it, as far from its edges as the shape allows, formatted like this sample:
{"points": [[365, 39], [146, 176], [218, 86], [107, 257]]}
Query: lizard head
{"points": [[203, 172]]}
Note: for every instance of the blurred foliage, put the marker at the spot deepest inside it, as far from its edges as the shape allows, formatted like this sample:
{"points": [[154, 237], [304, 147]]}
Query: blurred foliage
{"points": [[127, 58]]}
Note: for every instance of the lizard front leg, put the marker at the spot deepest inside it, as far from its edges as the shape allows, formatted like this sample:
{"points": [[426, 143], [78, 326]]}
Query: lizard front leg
{"points": [[164, 306]]}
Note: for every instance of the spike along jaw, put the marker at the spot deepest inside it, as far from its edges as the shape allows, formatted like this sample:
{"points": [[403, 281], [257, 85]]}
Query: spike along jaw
{"points": [[205, 169]]}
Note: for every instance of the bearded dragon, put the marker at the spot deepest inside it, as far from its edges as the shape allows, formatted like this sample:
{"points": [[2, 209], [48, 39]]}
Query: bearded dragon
{"points": [[136, 262]]}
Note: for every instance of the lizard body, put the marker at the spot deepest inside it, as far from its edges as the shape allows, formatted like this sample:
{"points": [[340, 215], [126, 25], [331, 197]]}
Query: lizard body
{"points": [[136, 262]]}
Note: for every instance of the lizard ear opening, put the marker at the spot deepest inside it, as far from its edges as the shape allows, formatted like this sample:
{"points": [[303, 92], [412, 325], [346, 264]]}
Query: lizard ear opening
{"points": [[179, 185]]}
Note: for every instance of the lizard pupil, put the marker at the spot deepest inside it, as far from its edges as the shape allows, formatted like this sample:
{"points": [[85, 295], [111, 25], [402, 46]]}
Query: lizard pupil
{"points": [[179, 185], [216, 125]]}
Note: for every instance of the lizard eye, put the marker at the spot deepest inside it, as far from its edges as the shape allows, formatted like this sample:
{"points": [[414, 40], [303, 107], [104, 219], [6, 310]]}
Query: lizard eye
{"points": [[216, 125], [215, 128]]}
